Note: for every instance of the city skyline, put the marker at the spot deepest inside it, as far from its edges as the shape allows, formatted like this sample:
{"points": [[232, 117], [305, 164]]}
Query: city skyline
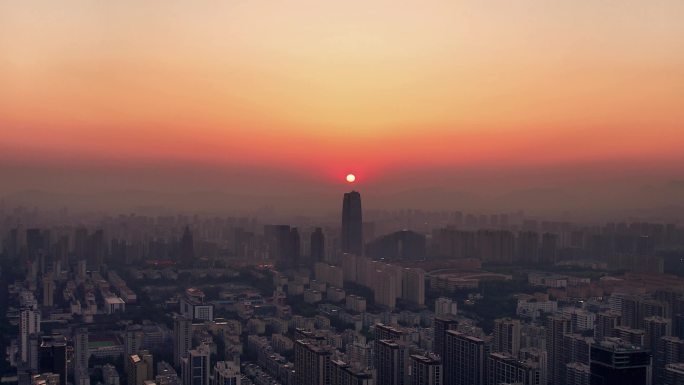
{"points": [[341, 192], [487, 100]]}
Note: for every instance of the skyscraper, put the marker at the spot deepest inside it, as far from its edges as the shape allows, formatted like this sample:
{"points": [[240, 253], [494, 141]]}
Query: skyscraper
{"points": [[81, 356], [53, 356], [440, 327], [506, 369], [556, 328], [312, 362], [352, 224], [182, 338], [426, 370], [605, 323], [133, 340], [317, 246], [30, 324], [195, 366], [507, 336], [392, 362], [48, 290], [614, 362], [464, 359], [187, 247], [342, 373], [139, 368]]}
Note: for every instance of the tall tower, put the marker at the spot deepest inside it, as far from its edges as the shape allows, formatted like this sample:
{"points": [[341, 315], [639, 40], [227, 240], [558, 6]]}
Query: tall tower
{"points": [[30, 324], [53, 356], [352, 224], [182, 338], [464, 359], [187, 247], [426, 370], [48, 290], [556, 328], [392, 367], [81, 357], [507, 336], [317, 246], [312, 362]]}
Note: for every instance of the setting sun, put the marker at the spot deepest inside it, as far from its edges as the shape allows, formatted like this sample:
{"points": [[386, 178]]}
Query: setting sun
{"points": [[351, 178]]}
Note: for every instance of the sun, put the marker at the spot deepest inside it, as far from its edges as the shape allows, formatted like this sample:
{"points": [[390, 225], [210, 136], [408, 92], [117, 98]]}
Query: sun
{"points": [[351, 178]]}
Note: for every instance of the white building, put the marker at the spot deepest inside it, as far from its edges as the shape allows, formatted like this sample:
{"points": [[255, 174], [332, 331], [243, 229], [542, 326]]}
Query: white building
{"points": [[30, 323]]}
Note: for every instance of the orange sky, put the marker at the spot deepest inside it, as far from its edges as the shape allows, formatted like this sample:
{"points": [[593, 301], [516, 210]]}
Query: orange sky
{"points": [[325, 87]]}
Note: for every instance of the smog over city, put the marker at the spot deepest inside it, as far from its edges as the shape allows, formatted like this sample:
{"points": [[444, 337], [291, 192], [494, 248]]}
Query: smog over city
{"points": [[307, 192]]}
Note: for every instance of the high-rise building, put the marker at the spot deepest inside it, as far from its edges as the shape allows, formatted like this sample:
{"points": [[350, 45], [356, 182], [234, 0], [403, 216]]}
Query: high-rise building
{"points": [[507, 336], [294, 254], [577, 374], [81, 357], [502, 368], [352, 224], [312, 362], [48, 290], [53, 356], [109, 375], [656, 327], [670, 351], [95, 249], [195, 367], [445, 307], [678, 325], [399, 245], [187, 247], [464, 359], [388, 332], [615, 362], [385, 288], [139, 368], [133, 340], [635, 337], [194, 307], [674, 374], [391, 362], [580, 319], [182, 338], [527, 249], [606, 321], [413, 286], [549, 248], [30, 324], [166, 375], [556, 328], [342, 373], [538, 356], [317, 245], [440, 327], [426, 370], [576, 348], [227, 373]]}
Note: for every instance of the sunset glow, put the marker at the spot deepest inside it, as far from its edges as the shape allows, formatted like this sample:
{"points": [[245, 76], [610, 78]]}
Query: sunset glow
{"points": [[317, 87]]}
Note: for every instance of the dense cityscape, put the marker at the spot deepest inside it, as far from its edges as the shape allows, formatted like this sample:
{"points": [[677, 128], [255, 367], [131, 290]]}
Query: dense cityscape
{"points": [[341, 192], [394, 297]]}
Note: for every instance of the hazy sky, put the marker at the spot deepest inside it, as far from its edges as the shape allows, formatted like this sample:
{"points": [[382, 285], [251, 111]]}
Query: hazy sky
{"points": [[530, 94]]}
